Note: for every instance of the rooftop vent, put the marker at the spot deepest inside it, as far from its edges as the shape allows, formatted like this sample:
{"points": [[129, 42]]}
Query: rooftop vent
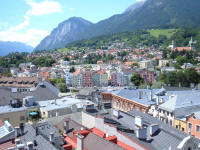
{"points": [[11, 148], [17, 141], [116, 113], [153, 129], [66, 126], [80, 142], [51, 137], [141, 133], [139, 121], [30, 145], [20, 147], [140, 94]]}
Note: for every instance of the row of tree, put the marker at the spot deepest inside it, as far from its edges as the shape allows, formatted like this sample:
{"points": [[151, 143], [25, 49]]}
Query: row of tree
{"points": [[182, 77]]}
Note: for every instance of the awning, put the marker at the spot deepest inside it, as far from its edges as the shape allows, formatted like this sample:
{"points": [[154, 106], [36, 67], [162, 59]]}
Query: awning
{"points": [[33, 113]]}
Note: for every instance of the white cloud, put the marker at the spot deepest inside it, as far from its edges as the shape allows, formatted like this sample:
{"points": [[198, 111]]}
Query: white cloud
{"points": [[31, 37], [43, 8], [21, 25]]}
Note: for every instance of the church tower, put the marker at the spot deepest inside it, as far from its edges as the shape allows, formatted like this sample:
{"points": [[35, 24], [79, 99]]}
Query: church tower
{"points": [[173, 45], [191, 43]]}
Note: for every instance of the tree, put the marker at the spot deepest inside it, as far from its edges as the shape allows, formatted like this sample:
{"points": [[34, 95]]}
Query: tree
{"points": [[62, 87], [180, 60], [192, 76], [171, 79], [72, 70], [164, 54], [134, 64], [137, 80], [6, 73]]}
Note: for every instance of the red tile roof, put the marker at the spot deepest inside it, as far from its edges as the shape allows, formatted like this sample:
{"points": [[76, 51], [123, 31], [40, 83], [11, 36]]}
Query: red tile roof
{"points": [[182, 48]]}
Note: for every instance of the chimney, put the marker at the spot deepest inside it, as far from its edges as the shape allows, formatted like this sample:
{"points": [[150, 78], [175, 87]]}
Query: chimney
{"points": [[140, 94], [30, 145], [139, 121], [66, 126], [17, 131], [51, 137], [153, 129], [36, 131], [11, 148], [22, 128], [20, 147], [107, 135], [17, 141], [161, 100], [55, 101], [157, 100], [116, 113], [141, 133], [80, 142], [150, 96]]}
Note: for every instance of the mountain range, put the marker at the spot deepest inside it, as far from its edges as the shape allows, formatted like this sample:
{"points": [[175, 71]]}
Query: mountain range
{"points": [[10, 47], [141, 15]]}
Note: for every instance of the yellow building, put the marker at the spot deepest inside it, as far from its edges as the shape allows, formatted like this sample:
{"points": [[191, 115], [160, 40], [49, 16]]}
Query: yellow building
{"points": [[180, 124], [14, 115], [17, 115]]}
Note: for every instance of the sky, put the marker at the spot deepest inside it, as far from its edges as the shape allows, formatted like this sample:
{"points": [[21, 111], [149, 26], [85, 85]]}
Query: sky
{"points": [[29, 21]]}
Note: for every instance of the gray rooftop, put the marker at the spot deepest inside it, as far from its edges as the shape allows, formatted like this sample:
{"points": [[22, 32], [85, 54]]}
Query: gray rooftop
{"points": [[182, 102], [30, 136], [162, 140], [41, 93], [145, 100]]}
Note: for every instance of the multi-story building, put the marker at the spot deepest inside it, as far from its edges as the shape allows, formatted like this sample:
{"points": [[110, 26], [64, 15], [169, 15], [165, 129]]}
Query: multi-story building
{"points": [[127, 99], [87, 79], [193, 124], [147, 75], [100, 78], [113, 80], [178, 107], [19, 84], [69, 79], [44, 73], [145, 64], [77, 78]]}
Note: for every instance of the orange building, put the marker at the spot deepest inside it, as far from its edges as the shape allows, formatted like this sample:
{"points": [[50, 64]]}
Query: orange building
{"points": [[45, 75], [193, 124]]}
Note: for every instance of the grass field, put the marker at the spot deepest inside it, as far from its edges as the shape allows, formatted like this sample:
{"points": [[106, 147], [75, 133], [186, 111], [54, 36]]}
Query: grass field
{"points": [[167, 32]]}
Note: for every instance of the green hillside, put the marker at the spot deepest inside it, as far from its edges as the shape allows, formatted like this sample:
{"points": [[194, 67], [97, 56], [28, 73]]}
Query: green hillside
{"points": [[156, 37], [166, 32]]}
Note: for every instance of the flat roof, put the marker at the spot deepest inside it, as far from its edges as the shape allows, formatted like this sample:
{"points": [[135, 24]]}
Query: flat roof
{"points": [[62, 103], [7, 109], [145, 100]]}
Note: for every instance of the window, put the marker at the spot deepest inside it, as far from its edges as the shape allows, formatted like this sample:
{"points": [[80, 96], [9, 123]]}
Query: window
{"points": [[167, 113], [190, 126], [6, 119], [22, 118], [171, 114], [183, 129], [197, 128], [171, 122]]}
